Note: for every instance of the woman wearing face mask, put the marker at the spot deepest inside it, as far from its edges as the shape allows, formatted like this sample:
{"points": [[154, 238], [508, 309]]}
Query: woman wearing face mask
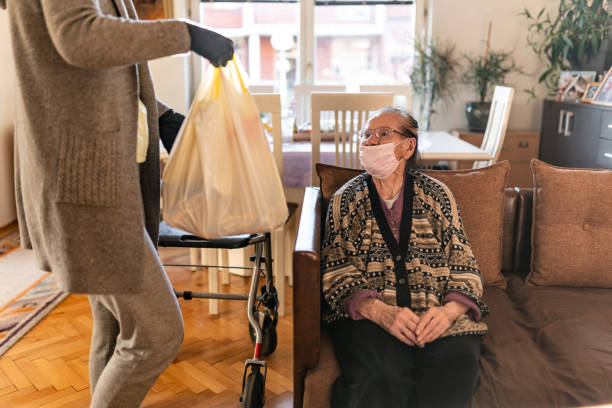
{"points": [[402, 287]]}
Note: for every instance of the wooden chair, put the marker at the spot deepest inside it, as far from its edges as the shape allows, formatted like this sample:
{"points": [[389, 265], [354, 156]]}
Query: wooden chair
{"points": [[282, 248], [302, 94], [402, 94], [350, 112], [496, 125], [282, 253]]}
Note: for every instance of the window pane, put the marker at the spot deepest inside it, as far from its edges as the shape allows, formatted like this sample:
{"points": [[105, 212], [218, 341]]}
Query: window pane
{"points": [[358, 45], [264, 35]]}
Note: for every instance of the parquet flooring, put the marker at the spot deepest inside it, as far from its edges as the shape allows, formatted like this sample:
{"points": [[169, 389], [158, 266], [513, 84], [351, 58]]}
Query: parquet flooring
{"points": [[7, 228], [48, 366]]}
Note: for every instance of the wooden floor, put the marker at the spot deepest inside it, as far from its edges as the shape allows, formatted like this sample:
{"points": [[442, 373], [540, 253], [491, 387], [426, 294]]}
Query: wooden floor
{"points": [[8, 228], [48, 366]]}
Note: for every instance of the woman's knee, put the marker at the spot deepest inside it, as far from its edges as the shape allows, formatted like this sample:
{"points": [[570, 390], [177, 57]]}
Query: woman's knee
{"points": [[162, 335], [372, 391], [170, 337], [464, 357]]}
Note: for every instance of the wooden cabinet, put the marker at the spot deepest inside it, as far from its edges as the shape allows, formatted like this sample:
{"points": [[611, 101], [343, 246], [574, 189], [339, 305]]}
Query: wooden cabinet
{"points": [[576, 135], [520, 146]]}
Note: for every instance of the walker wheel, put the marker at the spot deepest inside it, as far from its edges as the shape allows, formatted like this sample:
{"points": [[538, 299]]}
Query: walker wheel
{"points": [[253, 394], [268, 322]]}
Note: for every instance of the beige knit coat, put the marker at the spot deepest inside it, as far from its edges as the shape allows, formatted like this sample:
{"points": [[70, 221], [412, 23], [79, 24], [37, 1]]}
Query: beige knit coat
{"points": [[82, 200]]}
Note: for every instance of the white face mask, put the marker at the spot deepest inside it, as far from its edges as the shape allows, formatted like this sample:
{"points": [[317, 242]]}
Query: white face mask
{"points": [[379, 160]]}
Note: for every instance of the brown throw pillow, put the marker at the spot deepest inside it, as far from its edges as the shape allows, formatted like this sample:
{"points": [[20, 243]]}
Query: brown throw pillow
{"points": [[480, 196], [572, 227], [332, 178]]}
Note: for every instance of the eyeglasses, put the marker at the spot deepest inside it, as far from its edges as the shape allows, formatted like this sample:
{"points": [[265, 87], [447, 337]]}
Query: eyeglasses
{"points": [[383, 134]]}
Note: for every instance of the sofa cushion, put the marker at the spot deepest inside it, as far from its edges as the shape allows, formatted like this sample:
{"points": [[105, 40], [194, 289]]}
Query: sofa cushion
{"points": [[480, 197], [511, 368], [545, 347], [572, 227], [572, 329]]}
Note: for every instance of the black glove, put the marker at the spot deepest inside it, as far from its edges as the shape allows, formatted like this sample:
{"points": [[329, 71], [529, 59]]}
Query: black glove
{"points": [[212, 46], [169, 124]]}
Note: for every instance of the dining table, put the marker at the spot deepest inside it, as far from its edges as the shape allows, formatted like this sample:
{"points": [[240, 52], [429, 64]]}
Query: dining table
{"points": [[432, 146]]}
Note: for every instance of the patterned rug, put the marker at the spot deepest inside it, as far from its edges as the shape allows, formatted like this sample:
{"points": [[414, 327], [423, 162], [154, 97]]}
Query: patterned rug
{"points": [[27, 294]]}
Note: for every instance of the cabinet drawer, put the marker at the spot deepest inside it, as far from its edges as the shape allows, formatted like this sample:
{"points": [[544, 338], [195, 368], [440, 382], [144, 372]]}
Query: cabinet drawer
{"points": [[604, 153], [520, 147], [606, 125]]}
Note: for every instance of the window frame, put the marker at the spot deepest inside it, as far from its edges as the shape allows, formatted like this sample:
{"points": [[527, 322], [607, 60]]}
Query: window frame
{"points": [[305, 74]]}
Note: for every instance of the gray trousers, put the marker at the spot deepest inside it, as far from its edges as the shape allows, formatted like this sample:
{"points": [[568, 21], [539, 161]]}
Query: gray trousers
{"points": [[135, 338]]}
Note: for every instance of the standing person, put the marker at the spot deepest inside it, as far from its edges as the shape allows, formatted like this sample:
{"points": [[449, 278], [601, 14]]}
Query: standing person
{"points": [[87, 173], [403, 289]]}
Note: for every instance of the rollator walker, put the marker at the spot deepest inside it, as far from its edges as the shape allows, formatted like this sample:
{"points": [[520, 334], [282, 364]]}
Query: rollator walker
{"points": [[261, 308]]}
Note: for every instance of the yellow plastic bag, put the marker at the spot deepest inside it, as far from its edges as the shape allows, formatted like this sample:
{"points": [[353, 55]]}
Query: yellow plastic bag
{"points": [[221, 178]]}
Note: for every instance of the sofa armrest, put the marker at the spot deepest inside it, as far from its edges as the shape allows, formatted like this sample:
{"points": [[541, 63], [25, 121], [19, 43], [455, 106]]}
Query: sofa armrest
{"points": [[511, 198], [522, 246], [307, 290]]}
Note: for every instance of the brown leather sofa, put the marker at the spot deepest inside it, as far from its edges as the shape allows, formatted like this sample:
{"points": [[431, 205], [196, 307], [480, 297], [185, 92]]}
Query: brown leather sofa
{"points": [[546, 346]]}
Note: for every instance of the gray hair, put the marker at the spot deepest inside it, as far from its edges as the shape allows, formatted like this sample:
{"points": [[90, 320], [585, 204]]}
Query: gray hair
{"points": [[408, 126]]}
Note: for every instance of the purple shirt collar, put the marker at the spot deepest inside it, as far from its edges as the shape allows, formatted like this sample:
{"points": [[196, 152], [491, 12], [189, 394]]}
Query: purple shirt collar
{"points": [[394, 214]]}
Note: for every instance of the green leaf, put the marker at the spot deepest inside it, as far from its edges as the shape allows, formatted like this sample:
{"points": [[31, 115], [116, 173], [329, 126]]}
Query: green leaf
{"points": [[594, 45], [577, 29], [567, 40], [531, 93], [545, 74]]}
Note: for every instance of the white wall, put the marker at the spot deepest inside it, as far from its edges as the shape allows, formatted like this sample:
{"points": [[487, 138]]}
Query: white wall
{"points": [[171, 74], [170, 81], [7, 103], [465, 22]]}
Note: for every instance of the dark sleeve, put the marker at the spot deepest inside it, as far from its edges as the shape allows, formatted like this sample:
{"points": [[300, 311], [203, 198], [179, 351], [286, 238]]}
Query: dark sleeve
{"points": [[169, 124]]}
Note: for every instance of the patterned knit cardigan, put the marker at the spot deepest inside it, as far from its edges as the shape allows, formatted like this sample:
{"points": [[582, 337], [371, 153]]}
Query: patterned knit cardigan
{"points": [[439, 258]]}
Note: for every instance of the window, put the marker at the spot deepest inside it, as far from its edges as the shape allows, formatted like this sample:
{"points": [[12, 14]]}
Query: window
{"points": [[355, 42], [358, 45], [352, 43], [265, 36]]}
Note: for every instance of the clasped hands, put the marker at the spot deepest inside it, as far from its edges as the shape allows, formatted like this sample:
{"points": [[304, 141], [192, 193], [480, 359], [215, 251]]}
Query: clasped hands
{"points": [[408, 327]]}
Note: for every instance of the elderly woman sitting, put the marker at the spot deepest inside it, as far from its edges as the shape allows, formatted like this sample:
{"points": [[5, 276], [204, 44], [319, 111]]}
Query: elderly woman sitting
{"points": [[402, 287]]}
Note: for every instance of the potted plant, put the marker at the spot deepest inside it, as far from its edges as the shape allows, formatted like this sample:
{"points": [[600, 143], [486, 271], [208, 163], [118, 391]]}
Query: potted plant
{"points": [[432, 76], [482, 74], [571, 40]]}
